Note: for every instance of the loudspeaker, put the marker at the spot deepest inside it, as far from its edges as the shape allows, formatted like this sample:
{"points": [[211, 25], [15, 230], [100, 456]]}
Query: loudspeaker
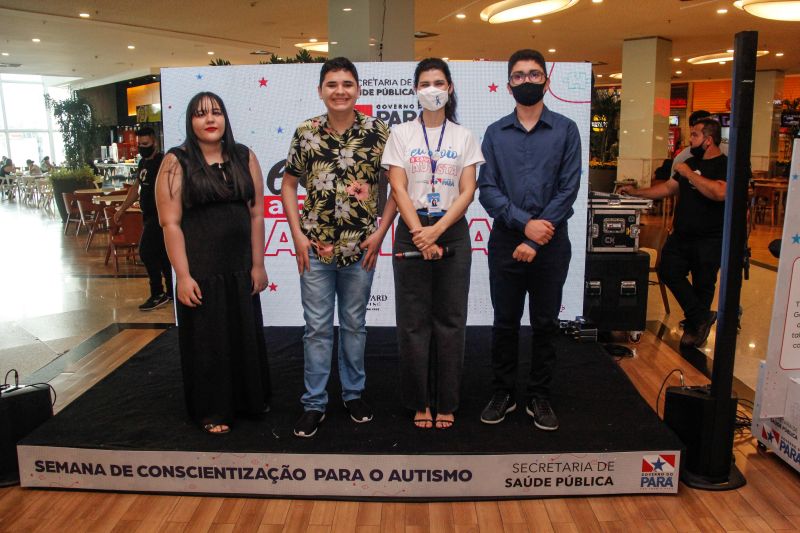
{"points": [[22, 409], [690, 412], [615, 293]]}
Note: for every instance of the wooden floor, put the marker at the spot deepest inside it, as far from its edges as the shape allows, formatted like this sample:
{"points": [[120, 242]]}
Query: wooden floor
{"points": [[769, 502]]}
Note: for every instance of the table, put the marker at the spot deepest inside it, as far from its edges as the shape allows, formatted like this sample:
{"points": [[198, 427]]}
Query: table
{"points": [[101, 192], [774, 190], [109, 199]]}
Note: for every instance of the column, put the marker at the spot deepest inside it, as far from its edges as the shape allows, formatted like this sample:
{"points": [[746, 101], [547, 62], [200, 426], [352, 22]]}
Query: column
{"points": [[766, 119], [368, 32], [644, 118]]}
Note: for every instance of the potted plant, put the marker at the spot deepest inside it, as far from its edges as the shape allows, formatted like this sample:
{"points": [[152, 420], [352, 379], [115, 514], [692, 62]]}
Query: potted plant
{"points": [[81, 133], [67, 180]]}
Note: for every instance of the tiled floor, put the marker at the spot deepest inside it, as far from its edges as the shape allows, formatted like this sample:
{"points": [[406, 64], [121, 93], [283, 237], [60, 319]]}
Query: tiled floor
{"points": [[54, 295]]}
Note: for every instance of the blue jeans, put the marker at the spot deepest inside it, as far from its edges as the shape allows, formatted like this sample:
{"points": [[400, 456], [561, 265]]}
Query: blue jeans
{"points": [[319, 287]]}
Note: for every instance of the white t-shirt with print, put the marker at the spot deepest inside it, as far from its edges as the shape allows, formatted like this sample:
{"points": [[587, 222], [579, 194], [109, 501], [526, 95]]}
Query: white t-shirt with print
{"points": [[406, 149]]}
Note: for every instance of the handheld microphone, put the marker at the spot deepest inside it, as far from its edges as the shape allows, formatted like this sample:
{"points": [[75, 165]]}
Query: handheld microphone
{"points": [[416, 254]]}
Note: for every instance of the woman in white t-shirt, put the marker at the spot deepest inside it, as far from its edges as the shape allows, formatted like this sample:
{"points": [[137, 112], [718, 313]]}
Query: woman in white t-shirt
{"points": [[432, 165]]}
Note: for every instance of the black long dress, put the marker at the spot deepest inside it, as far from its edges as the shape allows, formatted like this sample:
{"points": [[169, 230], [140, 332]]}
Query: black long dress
{"points": [[223, 352]]}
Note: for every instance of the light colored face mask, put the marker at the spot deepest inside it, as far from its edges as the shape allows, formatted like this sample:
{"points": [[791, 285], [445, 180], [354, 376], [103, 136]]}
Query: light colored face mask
{"points": [[431, 98]]}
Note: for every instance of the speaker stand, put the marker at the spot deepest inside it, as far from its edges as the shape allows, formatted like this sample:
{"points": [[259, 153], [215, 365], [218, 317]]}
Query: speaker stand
{"points": [[698, 481]]}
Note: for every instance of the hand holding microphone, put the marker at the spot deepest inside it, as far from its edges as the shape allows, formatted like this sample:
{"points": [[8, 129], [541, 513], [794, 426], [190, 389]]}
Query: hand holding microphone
{"points": [[444, 251]]}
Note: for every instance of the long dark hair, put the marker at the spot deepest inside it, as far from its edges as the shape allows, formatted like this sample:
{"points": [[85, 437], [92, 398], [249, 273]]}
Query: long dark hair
{"points": [[200, 184], [434, 63]]}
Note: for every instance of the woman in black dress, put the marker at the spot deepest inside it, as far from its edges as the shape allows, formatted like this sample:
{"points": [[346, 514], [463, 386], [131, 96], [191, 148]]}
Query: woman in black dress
{"points": [[209, 193]]}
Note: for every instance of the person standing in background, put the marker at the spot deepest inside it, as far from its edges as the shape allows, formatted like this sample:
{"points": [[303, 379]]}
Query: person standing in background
{"points": [[151, 247]]}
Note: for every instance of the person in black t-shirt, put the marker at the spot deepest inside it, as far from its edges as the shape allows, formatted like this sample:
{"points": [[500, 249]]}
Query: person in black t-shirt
{"points": [[695, 245], [151, 247]]}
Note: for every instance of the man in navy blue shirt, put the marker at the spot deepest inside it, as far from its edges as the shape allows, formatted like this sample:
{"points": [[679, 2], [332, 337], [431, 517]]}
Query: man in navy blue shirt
{"points": [[528, 185]]}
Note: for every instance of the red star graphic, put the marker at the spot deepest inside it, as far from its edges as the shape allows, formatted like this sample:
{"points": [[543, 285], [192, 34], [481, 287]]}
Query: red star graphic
{"points": [[273, 287], [262, 82], [492, 88]]}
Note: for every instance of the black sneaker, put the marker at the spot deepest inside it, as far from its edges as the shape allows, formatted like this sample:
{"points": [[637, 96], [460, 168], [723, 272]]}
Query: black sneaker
{"points": [[499, 406], [154, 302], [543, 415], [704, 329], [307, 425], [359, 410]]}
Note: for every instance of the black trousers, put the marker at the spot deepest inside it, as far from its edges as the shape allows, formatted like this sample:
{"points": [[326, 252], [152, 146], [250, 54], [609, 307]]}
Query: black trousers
{"points": [[431, 312], [510, 281], [154, 256], [682, 255]]}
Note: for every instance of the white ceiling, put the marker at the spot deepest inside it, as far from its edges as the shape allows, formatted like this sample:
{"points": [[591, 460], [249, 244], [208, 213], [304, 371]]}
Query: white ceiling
{"points": [[181, 33]]}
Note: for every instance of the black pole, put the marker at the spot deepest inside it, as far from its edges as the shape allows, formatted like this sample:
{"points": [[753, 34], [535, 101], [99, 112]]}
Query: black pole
{"points": [[733, 243]]}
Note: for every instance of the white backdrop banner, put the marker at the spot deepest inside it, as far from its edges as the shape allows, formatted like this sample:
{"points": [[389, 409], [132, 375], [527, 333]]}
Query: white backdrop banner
{"points": [[267, 102], [783, 348]]}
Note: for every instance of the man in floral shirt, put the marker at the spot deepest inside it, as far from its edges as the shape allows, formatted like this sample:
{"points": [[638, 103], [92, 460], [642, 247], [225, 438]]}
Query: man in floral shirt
{"points": [[337, 157]]}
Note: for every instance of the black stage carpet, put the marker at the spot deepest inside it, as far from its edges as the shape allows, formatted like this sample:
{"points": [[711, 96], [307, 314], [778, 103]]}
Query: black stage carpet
{"points": [[140, 407]]}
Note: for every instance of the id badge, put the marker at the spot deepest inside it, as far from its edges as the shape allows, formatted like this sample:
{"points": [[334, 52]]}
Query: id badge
{"points": [[434, 203]]}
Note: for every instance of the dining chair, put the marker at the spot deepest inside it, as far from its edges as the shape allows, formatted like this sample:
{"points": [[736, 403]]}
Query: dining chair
{"points": [[651, 240], [123, 237], [73, 215], [90, 217]]}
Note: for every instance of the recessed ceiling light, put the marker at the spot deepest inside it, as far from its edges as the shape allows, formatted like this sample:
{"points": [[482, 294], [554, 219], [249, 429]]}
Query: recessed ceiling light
{"points": [[36, 40], [210, 53], [720, 57], [5, 54], [314, 47], [537, 21], [334, 42], [313, 40], [551, 50], [347, 9], [445, 59], [616, 75], [771, 9], [597, 1], [84, 15], [779, 54], [599, 75], [372, 44], [461, 16], [729, 50], [676, 59], [131, 47], [722, 11], [511, 10], [678, 72]]}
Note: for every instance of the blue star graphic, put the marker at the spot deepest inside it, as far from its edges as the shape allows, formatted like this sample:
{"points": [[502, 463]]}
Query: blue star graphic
{"points": [[796, 238], [280, 130], [199, 76], [795, 176], [659, 465]]}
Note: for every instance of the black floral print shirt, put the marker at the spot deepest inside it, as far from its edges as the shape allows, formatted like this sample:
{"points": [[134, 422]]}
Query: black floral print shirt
{"points": [[341, 174]]}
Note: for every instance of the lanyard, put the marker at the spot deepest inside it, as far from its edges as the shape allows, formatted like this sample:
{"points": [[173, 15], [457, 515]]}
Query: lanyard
{"points": [[435, 155]]}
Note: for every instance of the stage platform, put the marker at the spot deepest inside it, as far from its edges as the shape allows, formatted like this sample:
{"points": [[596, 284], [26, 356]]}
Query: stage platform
{"points": [[130, 432]]}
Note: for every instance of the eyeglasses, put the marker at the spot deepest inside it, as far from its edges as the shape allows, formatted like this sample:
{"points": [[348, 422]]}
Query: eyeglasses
{"points": [[536, 76]]}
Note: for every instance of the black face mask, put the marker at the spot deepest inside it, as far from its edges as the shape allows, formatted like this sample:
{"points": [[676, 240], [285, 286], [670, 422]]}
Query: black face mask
{"points": [[528, 93], [697, 151], [147, 151]]}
